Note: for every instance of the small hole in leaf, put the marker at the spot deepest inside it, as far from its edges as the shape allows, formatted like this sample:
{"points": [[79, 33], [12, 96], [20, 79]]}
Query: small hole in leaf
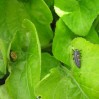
{"points": [[38, 97]]}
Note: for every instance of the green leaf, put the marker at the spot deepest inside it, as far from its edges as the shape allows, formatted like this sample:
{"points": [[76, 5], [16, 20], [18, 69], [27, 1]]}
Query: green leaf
{"points": [[93, 36], [59, 84], [48, 62], [96, 24], [3, 93], [3, 58], [13, 12], [25, 70], [78, 15], [61, 42], [49, 3], [42, 19], [88, 75]]}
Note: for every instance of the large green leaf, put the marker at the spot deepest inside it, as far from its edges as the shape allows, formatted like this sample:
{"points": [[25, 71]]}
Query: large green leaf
{"points": [[3, 58], [96, 24], [61, 42], [48, 62], [49, 3], [25, 68], [59, 84], [93, 36], [88, 75], [13, 12], [78, 83], [78, 15], [3, 93], [42, 19]]}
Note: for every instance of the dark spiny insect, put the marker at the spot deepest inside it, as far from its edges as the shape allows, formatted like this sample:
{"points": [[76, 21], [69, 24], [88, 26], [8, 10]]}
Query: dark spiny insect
{"points": [[77, 57], [13, 55]]}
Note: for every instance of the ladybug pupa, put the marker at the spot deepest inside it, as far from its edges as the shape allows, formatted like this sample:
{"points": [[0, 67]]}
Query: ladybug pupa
{"points": [[13, 55], [77, 57]]}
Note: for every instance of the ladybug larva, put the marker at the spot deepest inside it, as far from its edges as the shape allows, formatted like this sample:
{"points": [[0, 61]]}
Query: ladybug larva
{"points": [[13, 55], [77, 57]]}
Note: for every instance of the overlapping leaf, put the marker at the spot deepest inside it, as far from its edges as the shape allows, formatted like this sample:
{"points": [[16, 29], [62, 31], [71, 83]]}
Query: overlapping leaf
{"points": [[3, 93], [78, 83], [88, 75], [25, 70], [93, 36], [48, 62], [78, 15], [59, 84], [61, 42], [13, 12], [3, 58]]}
